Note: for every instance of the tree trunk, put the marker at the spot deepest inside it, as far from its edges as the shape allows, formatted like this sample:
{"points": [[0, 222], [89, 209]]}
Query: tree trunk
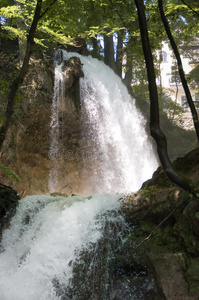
{"points": [[180, 69], [109, 51], [119, 53], [95, 47], [156, 132], [19, 80], [21, 40], [128, 74]]}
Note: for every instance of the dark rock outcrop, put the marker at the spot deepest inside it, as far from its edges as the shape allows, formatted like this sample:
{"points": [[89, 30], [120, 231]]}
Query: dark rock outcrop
{"points": [[165, 229], [8, 199], [8, 202]]}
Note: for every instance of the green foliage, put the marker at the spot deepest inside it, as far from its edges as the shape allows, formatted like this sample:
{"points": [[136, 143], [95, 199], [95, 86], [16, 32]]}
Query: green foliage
{"points": [[193, 78], [173, 109], [141, 90], [19, 98], [4, 90], [4, 87], [9, 173], [183, 20], [53, 26]]}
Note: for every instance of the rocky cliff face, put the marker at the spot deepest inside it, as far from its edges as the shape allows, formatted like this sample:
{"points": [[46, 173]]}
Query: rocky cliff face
{"points": [[26, 150]]}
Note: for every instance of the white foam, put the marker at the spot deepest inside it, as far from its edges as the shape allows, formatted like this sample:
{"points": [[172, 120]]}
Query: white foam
{"points": [[45, 236]]}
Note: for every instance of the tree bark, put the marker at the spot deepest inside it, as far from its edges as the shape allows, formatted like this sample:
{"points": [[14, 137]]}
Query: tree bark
{"points": [[128, 74], [20, 78], [21, 40], [156, 132], [180, 68], [119, 53], [109, 51], [95, 47]]}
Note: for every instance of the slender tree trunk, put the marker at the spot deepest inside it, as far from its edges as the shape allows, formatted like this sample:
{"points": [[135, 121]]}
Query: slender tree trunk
{"points": [[21, 40], [128, 74], [176, 97], [109, 51], [19, 80], [156, 132], [180, 69], [9, 20], [119, 53], [95, 46]]}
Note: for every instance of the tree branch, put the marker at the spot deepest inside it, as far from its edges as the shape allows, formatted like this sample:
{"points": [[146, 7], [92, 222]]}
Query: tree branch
{"points": [[194, 11], [119, 14], [20, 78], [47, 9], [180, 68], [156, 132]]}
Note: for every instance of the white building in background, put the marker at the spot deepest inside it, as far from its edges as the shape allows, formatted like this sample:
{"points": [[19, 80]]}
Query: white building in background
{"points": [[169, 78]]}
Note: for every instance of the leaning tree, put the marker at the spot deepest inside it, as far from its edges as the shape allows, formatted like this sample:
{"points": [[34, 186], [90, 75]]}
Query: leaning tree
{"points": [[156, 131]]}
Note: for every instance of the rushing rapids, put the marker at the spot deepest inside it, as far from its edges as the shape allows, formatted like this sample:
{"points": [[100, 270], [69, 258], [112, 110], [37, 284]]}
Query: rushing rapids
{"points": [[45, 238]]}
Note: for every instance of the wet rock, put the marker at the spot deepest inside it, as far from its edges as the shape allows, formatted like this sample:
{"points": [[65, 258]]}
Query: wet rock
{"points": [[169, 268], [59, 194], [79, 47], [8, 199], [8, 202], [73, 70]]}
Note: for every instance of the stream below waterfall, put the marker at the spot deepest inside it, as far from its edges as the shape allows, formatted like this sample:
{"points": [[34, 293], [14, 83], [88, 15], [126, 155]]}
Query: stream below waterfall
{"points": [[44, 240], [60, 248]]}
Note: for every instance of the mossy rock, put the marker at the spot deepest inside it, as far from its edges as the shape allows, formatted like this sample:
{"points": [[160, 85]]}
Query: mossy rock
{"points": [[192, 276], [56, 194]]}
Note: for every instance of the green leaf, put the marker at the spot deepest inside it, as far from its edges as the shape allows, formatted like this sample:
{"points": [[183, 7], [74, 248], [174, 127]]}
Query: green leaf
{"points": [[9, 173]]}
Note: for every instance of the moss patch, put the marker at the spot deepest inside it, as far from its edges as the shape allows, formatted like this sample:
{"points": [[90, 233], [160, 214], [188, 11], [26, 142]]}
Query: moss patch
{"points": [[192, 276]]}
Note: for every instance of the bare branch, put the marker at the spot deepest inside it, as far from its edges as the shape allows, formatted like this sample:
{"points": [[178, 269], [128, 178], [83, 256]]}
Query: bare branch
{"points": [[194, 11], [47, 9]]}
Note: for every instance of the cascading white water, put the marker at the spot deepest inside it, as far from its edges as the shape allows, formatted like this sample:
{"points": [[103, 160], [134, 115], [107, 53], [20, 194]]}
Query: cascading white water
{"points": [[54, 150], [121, 157], [44, 239]]}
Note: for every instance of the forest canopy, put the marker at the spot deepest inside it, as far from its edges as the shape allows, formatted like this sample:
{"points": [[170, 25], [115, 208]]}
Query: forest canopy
{"points": [[113, 21]]}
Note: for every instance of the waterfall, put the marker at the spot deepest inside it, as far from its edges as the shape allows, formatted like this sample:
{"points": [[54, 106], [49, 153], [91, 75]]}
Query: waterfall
{"points": [[60, 248], [120, 156], [58, 98]]}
